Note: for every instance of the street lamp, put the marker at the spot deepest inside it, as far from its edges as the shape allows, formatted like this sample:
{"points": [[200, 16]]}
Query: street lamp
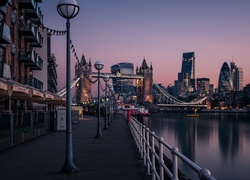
{"points": [[68, 9], [98, 65], [111, 105], [109, 86], [106, 79]]}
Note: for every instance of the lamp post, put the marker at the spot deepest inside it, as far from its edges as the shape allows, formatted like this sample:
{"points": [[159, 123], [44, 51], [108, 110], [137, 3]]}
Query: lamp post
{"points": [[106, 79], [109, 86], [98, 65], [68, 9], [111, 105]]}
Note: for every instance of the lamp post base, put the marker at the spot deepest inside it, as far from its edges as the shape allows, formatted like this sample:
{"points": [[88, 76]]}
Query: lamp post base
{"points": [[98, 135], [69, 169]]}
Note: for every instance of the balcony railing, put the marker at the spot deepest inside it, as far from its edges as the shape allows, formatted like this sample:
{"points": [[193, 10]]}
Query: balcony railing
{"points": [[38, 65], [35, 40], [26, 4], [31, 59], [38, 41], [33, 13], [26, 28]]}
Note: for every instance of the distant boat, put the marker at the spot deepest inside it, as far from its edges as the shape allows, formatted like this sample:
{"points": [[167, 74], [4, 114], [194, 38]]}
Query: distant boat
{"points": [[143, 111], [192, 115]]}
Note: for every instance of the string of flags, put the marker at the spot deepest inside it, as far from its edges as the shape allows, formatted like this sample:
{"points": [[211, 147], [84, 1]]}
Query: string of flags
{"points": [[52, 31], [73, 50]]}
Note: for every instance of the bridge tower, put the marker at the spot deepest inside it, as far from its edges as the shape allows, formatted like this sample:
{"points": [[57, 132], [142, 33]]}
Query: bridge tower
{"points": [[83, 87], [144, 86]]}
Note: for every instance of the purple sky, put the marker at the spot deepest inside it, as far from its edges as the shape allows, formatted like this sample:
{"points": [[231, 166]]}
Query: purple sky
{"points": [[114, 31]]}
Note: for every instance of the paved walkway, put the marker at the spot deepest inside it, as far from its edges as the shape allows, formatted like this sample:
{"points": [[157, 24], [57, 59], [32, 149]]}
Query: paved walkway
{"points": [[114, 156]]}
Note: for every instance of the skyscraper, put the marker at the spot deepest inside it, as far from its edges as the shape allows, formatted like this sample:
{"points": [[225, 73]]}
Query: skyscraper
{"points": [[186, 78], [123, 86], [237, 77], [225, 81]]}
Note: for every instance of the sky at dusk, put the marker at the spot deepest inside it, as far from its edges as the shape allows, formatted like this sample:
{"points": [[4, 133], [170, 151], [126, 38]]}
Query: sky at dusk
{"points": [[160, 31]]}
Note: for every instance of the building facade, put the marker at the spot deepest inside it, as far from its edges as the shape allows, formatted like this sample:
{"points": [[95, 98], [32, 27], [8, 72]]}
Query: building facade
{"points": [[203, 86], [237, 77], [25, 57]]}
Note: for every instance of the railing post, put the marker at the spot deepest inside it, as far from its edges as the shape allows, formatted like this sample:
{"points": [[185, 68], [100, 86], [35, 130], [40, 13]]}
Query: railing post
{"points": [[175, 163], [144, 145], [148, 153], [137, 134], [141, 142], [161, 160], [153, 155]]}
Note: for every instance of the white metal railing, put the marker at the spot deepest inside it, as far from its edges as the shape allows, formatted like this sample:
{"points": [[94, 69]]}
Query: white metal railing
{"points": [[145, 141]]}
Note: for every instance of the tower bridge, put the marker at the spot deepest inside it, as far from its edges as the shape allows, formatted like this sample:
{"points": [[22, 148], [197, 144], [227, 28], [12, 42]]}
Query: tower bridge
{"points": [[146, 89]]}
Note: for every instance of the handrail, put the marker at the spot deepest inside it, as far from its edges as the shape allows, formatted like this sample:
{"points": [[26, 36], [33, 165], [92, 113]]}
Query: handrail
{"points": [[145, 141]]}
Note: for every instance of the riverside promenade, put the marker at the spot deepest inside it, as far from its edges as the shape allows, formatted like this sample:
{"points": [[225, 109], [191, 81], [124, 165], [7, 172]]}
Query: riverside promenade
{"points": [[114, 156]]}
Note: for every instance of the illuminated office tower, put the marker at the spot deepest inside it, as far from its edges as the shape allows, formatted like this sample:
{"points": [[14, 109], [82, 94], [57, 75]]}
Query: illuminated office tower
{"points": [[237, 77], [123, 86], [188, 69], [186, 78]]}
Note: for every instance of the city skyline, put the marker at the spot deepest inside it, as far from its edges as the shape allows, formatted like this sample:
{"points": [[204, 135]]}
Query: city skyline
{"points": [[127, 31]]}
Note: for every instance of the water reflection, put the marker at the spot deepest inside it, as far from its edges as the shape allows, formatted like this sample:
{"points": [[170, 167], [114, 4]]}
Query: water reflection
{"points": [[218, 142]]}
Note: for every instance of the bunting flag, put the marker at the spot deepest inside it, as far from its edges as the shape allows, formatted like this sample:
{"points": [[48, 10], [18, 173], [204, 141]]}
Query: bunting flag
{"points": [[74, 51]]}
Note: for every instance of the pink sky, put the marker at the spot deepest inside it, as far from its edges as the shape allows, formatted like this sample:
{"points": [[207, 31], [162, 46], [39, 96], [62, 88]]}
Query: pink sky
{"points": [[116, 31]]}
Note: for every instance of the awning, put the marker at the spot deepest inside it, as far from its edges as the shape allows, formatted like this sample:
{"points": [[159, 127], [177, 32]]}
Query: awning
{"points": [[5, 89], [3, 86], [14, 90], [52, 98], [19, 91]]}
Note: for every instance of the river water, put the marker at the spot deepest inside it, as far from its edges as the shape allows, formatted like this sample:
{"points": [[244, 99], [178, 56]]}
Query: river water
{"points": [[219, 142]]}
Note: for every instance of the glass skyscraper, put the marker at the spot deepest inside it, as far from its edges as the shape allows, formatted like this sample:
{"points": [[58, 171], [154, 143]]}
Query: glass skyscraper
{"points": [[225, 80], [186, 78], [123, 86]]}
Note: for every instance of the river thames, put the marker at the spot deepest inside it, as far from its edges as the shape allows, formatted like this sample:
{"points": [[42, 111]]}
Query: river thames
{"points": [[219, 142]]}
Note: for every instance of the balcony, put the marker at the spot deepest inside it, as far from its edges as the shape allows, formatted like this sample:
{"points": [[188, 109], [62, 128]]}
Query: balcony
{"points": [[33, 13], [39, 42], [35, 39], [5, 37], [30, 59], [38, 64], [31, 81], [26, 4], [26, 29]]}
